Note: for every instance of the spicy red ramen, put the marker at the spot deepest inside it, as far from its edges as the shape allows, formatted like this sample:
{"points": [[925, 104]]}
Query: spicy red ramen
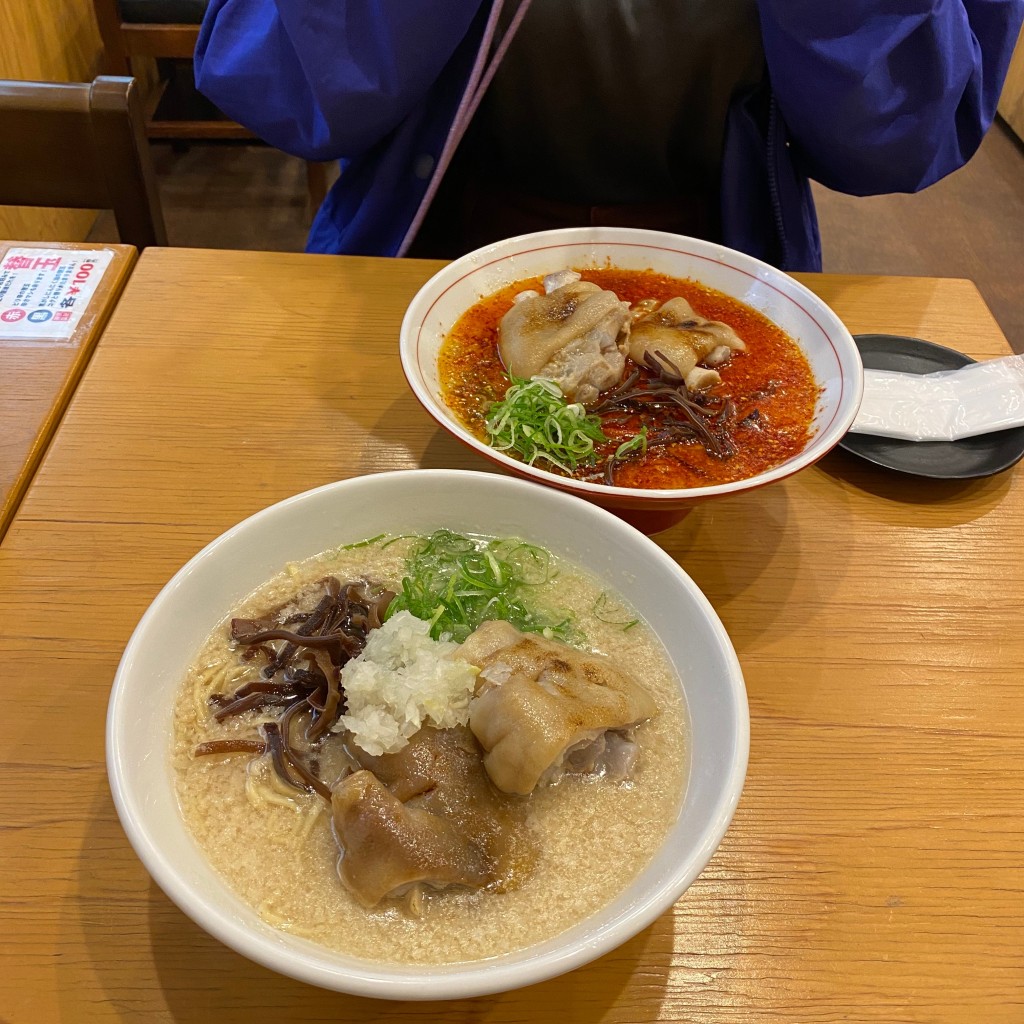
{"points": [[631, 378]]}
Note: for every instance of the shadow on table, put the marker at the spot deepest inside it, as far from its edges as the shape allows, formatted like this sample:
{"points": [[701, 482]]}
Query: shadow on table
{"points": [[442, 451], [405, 437], [145, 958], [749, 556], [961, 501]]}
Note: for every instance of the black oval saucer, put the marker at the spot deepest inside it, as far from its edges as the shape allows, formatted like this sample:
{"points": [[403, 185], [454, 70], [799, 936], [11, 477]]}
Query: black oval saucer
{"points": [[941, 460]]}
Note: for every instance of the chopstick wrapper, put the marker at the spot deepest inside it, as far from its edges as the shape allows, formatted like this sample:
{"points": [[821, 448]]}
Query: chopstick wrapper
{"points": [[976, 399]]}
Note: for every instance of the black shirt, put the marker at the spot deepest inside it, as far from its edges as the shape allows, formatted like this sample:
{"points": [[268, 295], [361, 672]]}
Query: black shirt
{"points": [[618, 101]]}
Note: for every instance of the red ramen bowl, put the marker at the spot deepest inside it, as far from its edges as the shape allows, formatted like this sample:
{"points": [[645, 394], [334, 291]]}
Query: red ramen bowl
{"points": [[816, 330]]}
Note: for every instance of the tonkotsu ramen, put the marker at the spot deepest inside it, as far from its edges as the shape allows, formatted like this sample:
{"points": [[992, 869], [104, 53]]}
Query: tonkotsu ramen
{"points": [[430, 749]]}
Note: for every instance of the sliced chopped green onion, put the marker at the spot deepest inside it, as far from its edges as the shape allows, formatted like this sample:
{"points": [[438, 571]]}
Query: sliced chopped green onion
{"points": [[395, 540], [607, 609], [636, 443], [365, 543], [456, 582], [536, 421], [532, 563]]}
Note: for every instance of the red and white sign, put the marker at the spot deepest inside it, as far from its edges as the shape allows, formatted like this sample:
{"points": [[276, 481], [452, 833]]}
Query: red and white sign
{"points": [[44, 293]]}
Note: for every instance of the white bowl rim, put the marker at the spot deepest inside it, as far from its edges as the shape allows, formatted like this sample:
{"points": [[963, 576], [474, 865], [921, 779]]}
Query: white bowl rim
{"points": [[400, 981], [818, 446]]}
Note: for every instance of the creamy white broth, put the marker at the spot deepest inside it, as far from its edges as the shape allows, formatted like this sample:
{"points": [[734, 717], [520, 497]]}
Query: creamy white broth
{"points": [[276, 850]]}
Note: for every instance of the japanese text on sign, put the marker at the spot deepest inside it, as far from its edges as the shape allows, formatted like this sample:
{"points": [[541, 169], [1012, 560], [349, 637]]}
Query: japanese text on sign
{"points": [[44, 293]]}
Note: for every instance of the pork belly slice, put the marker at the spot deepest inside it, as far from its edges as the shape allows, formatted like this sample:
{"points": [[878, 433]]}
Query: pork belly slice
{"points": [[389, 846], [575, 335], [684, 337], [543, 708]]}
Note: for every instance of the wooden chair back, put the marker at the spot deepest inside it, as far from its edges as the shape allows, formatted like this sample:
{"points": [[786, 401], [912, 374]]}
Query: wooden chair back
{"points": [[123, 40], [80, 145]]}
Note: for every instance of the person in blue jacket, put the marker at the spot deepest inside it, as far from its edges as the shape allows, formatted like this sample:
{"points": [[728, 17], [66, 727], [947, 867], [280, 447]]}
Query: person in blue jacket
{"points": [[459, 122]]}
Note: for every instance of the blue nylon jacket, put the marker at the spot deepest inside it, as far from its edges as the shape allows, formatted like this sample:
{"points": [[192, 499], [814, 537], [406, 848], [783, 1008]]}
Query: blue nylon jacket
{"points": [[865, 96]]}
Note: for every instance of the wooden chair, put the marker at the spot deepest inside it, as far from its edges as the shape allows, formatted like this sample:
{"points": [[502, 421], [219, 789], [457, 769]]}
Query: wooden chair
{"points": [[170, 29], [80, 146]]}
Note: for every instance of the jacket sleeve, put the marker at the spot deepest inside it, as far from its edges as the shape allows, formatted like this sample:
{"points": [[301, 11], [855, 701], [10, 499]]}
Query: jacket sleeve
{"points": [[887, 95], [326, 79]]}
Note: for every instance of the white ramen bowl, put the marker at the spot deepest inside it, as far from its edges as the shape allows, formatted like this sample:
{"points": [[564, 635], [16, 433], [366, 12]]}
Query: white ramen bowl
{"points": [[210, 586], [824, 339]]}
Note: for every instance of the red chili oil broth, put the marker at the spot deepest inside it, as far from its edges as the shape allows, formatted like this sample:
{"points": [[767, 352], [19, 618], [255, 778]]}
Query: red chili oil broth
{"points": [[772, 377]]}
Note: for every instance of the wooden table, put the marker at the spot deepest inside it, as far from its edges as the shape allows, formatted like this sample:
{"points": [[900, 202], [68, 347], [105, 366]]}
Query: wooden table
{"points": [[38, 378], [873, 870]]}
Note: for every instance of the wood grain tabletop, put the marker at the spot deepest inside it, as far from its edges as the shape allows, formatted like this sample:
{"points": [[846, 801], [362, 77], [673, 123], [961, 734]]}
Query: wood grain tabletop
{"points": [[873, 871], [37, 378]]}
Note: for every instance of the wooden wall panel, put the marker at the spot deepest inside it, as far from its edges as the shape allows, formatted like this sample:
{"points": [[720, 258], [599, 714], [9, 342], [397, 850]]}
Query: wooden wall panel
{"points": [[55, 41], [1011, 103]]}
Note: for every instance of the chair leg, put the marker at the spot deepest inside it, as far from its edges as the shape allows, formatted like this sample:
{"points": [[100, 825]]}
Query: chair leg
{"points": [[316, 183]]}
